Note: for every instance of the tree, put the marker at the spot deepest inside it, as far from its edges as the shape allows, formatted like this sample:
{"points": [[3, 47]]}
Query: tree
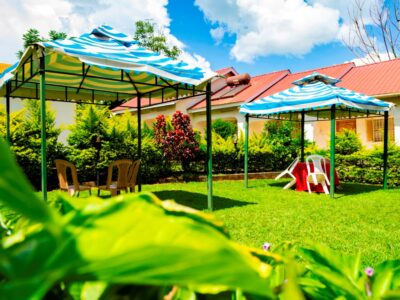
{"points": [[225, 129], [32, 36], [26, 141], [375, 30], [151, 37], [178, 144], [90, 128]]}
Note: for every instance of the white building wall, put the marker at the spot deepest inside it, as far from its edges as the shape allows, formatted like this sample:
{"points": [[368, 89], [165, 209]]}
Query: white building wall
{"points": [[396, 115]]}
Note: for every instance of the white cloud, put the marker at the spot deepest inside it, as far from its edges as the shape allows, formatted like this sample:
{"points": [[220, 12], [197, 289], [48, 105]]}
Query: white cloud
{"points": [[264, 27], [373, 58], [76, 17], [283, 27], [217, 34]]}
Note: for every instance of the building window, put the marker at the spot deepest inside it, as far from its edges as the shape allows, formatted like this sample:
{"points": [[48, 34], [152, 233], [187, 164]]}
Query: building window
{"points": [[377, 129], [346, 124]]}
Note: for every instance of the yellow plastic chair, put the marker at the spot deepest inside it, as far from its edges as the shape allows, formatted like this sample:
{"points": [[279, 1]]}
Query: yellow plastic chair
{"points": [[75, 188]]}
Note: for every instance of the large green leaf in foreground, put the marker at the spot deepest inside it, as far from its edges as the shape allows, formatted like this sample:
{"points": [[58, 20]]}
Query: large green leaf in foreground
{"points": [[131, 239]]}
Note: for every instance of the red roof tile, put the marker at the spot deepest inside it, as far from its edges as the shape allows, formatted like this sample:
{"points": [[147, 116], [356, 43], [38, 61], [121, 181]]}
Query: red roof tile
{"points": [[258, 84], [374, 79], [226, 70], [336, 71]]}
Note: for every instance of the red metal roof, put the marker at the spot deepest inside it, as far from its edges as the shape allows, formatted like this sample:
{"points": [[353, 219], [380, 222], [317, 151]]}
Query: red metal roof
{"points": [[226, 70], [258, 84], [374, 79], [336, 71], [133, 102]]}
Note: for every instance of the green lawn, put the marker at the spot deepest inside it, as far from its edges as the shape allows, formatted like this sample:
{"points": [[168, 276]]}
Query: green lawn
{"points": [[362, 218]]}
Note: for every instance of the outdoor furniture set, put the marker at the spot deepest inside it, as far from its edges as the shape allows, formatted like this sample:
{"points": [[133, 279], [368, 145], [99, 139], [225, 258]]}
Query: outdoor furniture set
{"points": [[313, 175], [121, 176]]}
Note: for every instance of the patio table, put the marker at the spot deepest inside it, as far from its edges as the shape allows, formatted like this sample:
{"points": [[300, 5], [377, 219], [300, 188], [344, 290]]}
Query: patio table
{"points": [[300, 172]]}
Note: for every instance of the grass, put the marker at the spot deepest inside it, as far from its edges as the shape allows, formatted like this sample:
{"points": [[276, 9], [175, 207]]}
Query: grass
{"points": [[362, 218]]}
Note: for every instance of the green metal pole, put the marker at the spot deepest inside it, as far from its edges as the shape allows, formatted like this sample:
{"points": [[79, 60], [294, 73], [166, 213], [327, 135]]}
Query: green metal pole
{"points": [[139, 130], [8, 92], [332, 162], [209, 147], [302, 136], [385, 148], [43, 126], [246, 152]]}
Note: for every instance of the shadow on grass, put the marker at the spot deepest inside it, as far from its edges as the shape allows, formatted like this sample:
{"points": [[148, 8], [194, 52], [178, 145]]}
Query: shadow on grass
{"points": [[199, 201], [346, 189], [356, 188]]}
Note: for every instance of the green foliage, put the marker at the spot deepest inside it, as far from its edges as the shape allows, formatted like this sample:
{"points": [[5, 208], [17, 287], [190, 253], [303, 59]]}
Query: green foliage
{"points": [[138, 247], [151, 37], [366, 166], [224, 128], [284, 142], [25, 132], [90, 128], [97, 139], [82, 245], [347, 142], [32, 36]]}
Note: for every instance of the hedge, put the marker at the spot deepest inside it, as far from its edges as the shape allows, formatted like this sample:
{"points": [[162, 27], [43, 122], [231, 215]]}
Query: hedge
{"points": [[366, 166]]}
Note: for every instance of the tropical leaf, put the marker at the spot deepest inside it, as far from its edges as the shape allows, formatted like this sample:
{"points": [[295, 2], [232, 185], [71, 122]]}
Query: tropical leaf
{"points": [[17, 193], [126, 240]]}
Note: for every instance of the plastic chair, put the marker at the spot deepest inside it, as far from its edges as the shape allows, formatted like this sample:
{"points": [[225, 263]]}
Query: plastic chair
{"points": [[318, 176], [289, 171], [62, 166], [132, 176], [127, 171]]}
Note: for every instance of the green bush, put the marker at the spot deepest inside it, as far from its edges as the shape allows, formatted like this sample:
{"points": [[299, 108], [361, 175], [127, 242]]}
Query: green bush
{"points": [[284, 142], [25, 132], [366, 166], [347, 142], [223, 128], [139, 247]]}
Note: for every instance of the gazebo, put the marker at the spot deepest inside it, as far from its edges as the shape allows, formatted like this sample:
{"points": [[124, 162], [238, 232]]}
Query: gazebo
{"points": [[317, 97], [102, 67]]}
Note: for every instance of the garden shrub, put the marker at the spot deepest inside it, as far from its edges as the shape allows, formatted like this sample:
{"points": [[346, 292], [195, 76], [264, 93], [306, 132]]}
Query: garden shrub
{"points": [[118, 136], [366, 166], [100, 249], [347, 142], [25, 132], [90, 128], [284, 142], [178, 144], [225, 129], [225, 155]]}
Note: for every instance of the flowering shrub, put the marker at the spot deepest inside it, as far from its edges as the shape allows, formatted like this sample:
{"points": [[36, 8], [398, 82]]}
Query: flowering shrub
{"points": [[179, 142]]}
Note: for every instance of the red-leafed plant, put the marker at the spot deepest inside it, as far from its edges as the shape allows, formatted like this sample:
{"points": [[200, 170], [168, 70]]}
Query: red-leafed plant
{"points": [[179, 142]]}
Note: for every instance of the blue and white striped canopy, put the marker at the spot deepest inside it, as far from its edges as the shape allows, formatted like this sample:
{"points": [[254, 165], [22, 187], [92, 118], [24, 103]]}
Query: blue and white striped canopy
{"points": [[109, 54], [312, 93]]}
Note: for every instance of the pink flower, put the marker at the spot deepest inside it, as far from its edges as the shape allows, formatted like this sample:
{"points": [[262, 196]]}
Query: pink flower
{"points": [[369, 271], [266, 246]]}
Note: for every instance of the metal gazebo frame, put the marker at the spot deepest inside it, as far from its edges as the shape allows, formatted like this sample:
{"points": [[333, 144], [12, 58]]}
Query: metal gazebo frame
{"points": [[23, 85], [323, 114]]}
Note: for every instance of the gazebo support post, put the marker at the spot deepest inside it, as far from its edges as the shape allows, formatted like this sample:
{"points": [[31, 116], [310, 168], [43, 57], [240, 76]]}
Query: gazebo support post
{"points": [[332, 154], [385, 147], [8, 92], [43, 125], [139, 130], [209, 147], [302, 136], [246, 152]]}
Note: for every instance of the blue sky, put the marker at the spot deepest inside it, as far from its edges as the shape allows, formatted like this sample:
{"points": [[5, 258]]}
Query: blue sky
{"points": [[255, 36], [198, 38]]}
